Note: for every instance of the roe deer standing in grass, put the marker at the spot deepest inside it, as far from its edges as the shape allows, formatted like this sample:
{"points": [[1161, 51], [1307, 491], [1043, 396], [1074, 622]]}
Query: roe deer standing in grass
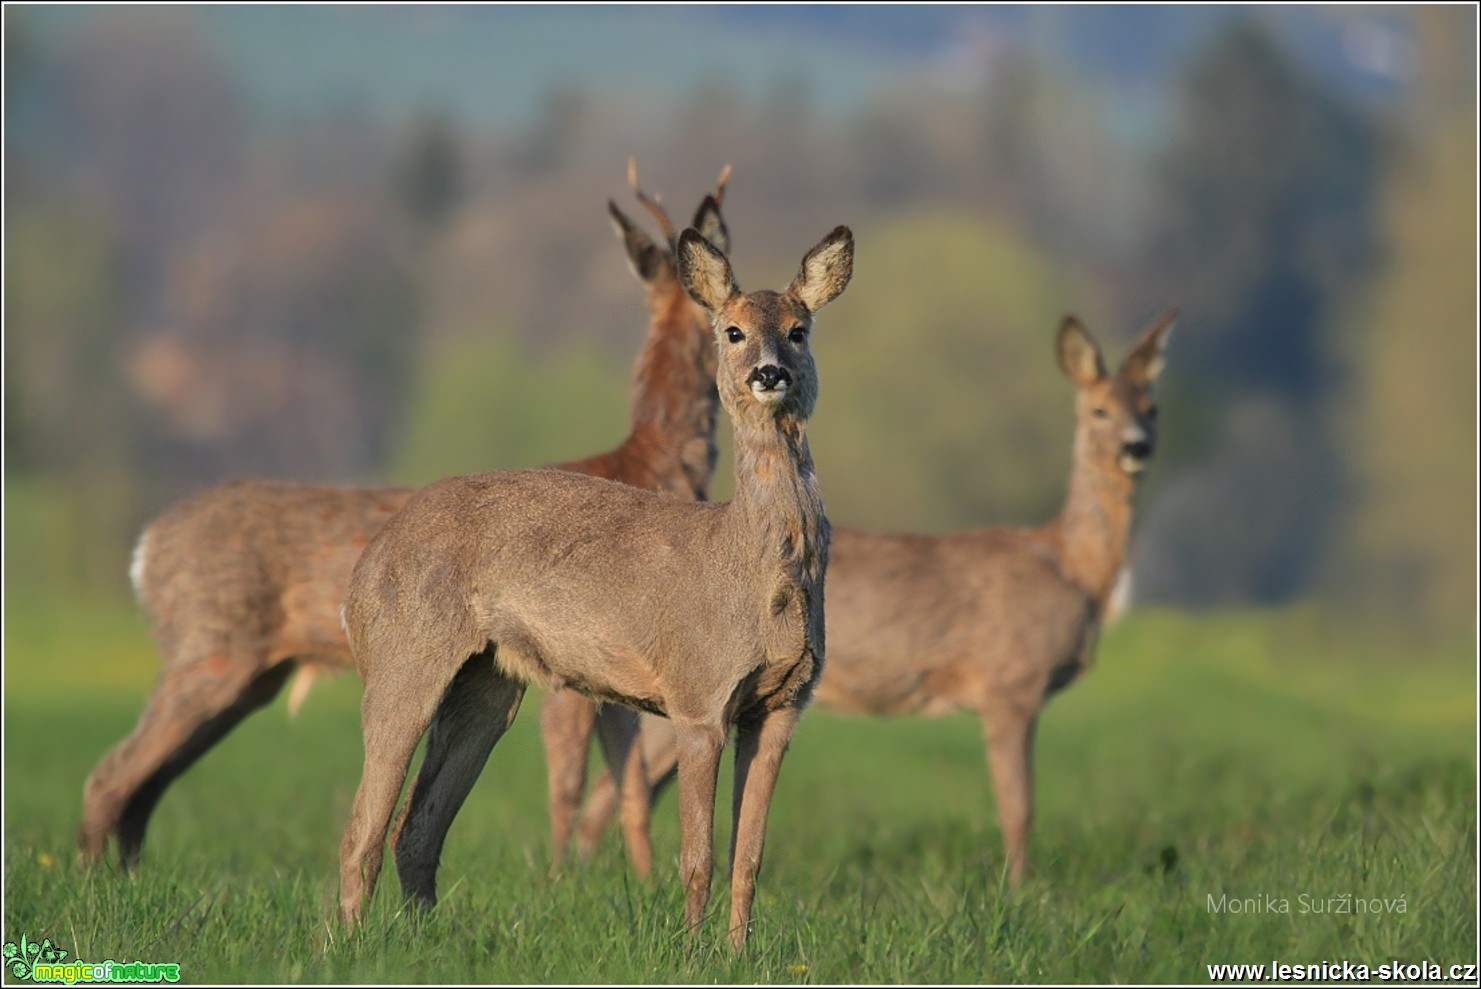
{"points": [[990, 620], [710, 614], [244, 582]]}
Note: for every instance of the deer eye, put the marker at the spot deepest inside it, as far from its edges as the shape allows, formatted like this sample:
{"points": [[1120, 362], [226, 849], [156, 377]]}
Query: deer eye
{"points": [[798, 335], [1099, 413], [734, 335], [1152, 412]]}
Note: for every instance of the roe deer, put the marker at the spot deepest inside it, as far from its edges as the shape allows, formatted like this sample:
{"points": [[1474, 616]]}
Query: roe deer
{"points": [[991, 620], [244, 582], [710, 614]]}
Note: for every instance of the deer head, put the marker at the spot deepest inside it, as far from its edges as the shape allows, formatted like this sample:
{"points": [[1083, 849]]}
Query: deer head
{"points": [[766, 367], [1116, 415]]}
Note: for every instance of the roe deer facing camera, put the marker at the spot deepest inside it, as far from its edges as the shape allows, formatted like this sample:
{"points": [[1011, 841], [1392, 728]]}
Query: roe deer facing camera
{"points": [[244, 582], [710, 614], [990, 620]]}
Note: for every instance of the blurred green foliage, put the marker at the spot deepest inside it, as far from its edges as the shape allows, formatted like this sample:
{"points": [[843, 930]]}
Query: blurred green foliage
{"points": [[69, 432], [56, 547], [1410, 549], [195, 292], [1264, 222], [941, 403], [487, 401], [61, 292]]}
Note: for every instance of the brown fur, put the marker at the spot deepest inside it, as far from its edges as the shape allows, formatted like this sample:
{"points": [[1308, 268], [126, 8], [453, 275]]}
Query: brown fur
{"points": [[992, 620], [244, 582], [711, 614]]}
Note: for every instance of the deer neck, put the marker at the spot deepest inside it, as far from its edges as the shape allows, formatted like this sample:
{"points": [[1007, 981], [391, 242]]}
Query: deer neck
{"points": [[675, 401], [777, 496], [1093, 530]]}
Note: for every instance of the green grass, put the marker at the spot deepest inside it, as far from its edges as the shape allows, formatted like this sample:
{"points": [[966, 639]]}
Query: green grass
{"points": [[1203, 756]]}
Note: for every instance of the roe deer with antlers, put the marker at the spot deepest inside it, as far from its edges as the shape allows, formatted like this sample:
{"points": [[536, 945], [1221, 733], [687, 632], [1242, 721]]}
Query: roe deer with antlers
{"points": [[710, 614], [992, 620], [244, 582]]}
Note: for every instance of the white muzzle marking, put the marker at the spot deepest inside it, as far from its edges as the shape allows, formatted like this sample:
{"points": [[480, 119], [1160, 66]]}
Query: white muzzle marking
{"points": [[769, 396]]}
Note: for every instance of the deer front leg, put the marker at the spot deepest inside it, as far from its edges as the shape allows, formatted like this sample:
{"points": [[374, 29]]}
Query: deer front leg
{"points": [[566, 720], [760, 745], [699, 765], [617, 727], [1009, 732]]}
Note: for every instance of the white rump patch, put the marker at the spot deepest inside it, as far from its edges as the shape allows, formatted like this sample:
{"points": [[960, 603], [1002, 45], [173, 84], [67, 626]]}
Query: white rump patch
{"points": [[136, 564], [1119, 603]]}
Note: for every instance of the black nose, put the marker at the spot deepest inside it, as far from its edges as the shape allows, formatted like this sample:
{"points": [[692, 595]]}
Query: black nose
{"points": [[768, 375], [1140, 450]]}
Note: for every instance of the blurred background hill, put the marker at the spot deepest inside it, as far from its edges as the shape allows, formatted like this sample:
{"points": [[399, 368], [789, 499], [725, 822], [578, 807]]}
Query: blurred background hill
{"points": [[364, 244]]}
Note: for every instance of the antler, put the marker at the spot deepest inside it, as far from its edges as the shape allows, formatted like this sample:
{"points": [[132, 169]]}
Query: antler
{"points": [[652, 206], [720, 185]]}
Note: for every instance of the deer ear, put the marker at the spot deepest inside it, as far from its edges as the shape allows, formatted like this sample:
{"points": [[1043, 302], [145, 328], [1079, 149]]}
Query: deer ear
{"points": [[1079, 357], [826, 270], [703, 271], [1145, 361], [709, 222], [643, 256]]}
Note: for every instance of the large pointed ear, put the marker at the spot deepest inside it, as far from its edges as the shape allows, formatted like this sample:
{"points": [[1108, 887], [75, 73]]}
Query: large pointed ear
{"points": [[1079, 357], [826, 270], [711, 225], [703, 271], [643, 256], [1145, 361]]}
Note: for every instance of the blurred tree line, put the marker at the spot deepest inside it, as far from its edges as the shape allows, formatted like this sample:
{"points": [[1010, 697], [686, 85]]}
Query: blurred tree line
{"points": [[192, 297]]}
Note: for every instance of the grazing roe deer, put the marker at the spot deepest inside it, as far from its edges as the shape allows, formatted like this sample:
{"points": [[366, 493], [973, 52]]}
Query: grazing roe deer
{"points": [[710, 614], [992, 620], [244, 582]]}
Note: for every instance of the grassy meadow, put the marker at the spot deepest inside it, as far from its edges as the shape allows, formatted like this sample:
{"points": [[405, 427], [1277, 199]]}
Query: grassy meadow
{"points": [[1223, 756]]}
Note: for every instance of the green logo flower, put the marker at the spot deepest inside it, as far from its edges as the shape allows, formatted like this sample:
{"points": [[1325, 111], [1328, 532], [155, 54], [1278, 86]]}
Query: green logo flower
{"points": [[22, 958]]}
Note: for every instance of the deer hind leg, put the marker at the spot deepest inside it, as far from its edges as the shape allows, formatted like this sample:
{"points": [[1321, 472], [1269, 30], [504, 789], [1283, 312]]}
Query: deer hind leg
{"points": [[660, 753], [699, 765], [1009, 732], [759, 747], [394, 714], [661, 757], [260, 692], [478, 707], [617, 727], [193, 706], [660, 750], [597, 812], [566, 719]]}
